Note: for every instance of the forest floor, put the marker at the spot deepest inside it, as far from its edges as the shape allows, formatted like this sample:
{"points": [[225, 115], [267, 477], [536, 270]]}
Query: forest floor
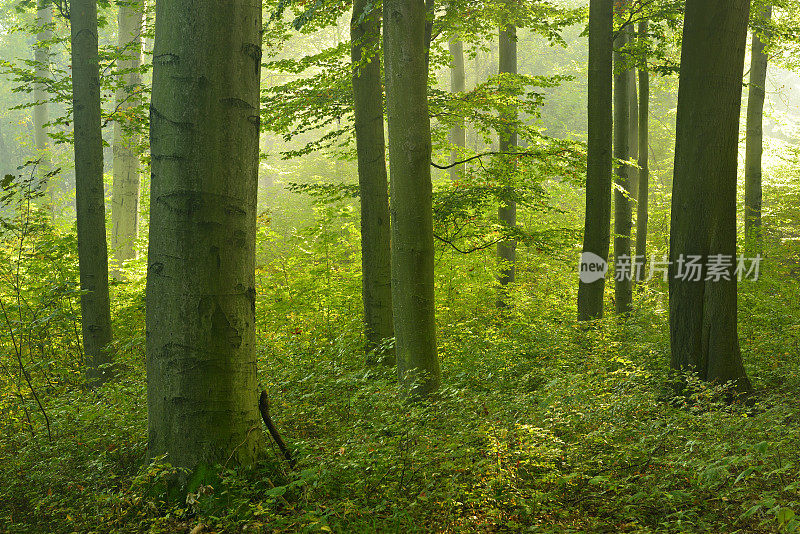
{"points": [[542, 425]]}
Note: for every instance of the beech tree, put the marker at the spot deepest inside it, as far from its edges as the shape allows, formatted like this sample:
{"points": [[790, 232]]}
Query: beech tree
{"points": [[754, 143], [703, 324], [44, 18], [125, 188], [507, 212], [406, 71], [89, 195], [623, 288], [644, 159], [458, 135], [202, 393], [375, 228], [597, 227]]}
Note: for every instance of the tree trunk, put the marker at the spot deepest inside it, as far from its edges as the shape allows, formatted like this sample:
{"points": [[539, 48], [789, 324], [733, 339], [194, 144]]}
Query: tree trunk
{"points": [[375, 229], [703, 325], [597, 228], [644, 166], [202, 390], [89, 194], [44, 18], [755, 139], [507, 212], [405, 50], [457, 85], [623, 289], [125, 189], [633, 133]]}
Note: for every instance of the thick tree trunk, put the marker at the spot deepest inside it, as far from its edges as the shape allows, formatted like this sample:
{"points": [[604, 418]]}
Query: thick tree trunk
{"points": [[89, 195], [703, 313], [597, 228], [644, 165], [201, 349], [125, 189], [754, 145], [507, 212], [406, 72], [375, 229], [458, 84], [44, 17], [623, 288]]}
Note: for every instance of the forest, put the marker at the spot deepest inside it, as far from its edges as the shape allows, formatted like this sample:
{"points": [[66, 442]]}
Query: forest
{"points": [[401, 266]]}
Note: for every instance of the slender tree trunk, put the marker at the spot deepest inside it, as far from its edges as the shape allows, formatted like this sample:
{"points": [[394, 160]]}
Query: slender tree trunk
{"points": [[633, 133], [201, 341], [44, 18], [373, 184], [703, 312], [457, 85], [623, 289], [754, 145], [507, 212], [644, 166], [125, 189], [405, 51], [597, 228], [89, 195]]}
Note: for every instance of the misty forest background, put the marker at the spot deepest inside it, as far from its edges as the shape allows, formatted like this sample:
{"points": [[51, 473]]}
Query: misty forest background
{"points": [[458, 380]]}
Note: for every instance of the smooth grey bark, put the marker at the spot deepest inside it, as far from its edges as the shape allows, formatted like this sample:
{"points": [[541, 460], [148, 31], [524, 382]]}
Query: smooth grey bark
{"points": [[633, 132], [597, 226], [405, 66], [125, 188], [458, 134], [642, 205], [44, 18], [754, 144], [202, 393], [623, 285], [507, 212], [703, 327], [371, 148], [89, 194]]}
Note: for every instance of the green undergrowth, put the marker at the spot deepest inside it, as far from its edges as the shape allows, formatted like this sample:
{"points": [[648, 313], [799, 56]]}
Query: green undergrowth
{"points": [[542, 425]]}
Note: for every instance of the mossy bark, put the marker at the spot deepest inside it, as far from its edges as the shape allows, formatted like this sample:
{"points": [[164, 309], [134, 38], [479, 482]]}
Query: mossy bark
{"points": [[597, 225], [376, 267], [406, 70], [202, 390], [89, 193], [703, 322]]}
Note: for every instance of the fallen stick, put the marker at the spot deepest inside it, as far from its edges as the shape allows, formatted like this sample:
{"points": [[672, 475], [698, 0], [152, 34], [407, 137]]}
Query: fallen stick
{"points": [[263, 407]]}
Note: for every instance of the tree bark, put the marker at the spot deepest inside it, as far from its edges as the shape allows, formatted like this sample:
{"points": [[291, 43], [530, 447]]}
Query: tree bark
{"points": [[89, 194], [372, 178], [703, 326], [202, 390], [754, 144], [644, 165], [597, 227], [458, 135], [507, 212], [623, 288], [125, 188], [405, 64], [44, 18], [633, 132]]}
